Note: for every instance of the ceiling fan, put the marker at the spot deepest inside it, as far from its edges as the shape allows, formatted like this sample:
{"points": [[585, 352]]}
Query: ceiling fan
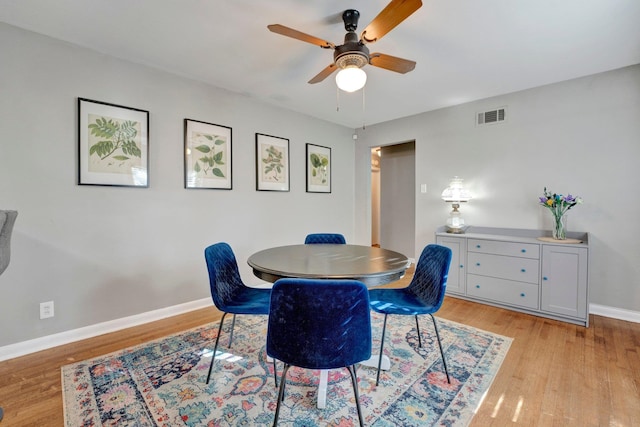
{"points": [[353, 54]]}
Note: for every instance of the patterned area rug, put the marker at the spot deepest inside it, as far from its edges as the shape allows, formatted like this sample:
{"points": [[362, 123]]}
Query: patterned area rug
{"points": [[162, 383]]}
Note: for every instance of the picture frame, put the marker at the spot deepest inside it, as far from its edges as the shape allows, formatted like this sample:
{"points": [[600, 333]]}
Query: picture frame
{"points": [[318, 169], [272, 163], [208, 155], [113, 144]]}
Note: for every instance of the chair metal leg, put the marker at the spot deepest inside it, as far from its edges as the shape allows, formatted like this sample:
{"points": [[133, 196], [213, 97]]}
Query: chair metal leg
{"points": [[354, 380], [418, 328], [444, 362], [215, 347], [384, 328], [280, 394], [233, 324], [283, 384], [275, 372]]}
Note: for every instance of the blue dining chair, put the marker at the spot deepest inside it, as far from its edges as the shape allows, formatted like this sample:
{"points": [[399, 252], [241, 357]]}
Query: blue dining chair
{"points": [[325, 238], [229, 293], [424, 295], [319, 324]]}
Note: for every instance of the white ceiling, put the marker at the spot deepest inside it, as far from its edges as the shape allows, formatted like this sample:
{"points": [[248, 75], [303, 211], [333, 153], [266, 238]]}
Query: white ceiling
{"points": [[464, 49]]}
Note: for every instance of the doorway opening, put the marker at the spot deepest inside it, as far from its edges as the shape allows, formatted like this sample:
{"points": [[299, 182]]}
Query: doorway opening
{"points": [[393, 197], [375, 197]]}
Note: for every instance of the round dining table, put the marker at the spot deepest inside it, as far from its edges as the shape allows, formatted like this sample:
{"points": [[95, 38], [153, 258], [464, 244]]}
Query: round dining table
{"points": [[371, 265]]}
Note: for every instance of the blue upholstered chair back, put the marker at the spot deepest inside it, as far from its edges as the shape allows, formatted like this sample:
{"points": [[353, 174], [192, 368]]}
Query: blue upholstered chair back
{"points": [[430, 277], [319, 324], [325, 238], [224, 277]]}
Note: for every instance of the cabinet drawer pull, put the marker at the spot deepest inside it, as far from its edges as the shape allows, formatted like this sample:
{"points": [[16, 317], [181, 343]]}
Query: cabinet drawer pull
{"points": [[478, 246], [478, 286], [523, 250], [478, 264], [522, 294], [523, 270], [545, 278], [461, 266]]}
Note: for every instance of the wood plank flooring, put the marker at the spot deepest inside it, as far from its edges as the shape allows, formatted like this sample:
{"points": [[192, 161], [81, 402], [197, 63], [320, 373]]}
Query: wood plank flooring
{"points": [[555, 374]]}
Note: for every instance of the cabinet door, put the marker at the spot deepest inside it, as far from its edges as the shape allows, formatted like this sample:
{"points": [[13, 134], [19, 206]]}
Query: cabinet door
{"points": [[564, 280], [456, 279]]}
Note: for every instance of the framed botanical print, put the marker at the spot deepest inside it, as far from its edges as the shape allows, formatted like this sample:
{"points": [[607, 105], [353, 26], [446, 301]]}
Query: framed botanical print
{"points": [[113, 144], [272, 163], [207, 155], [318, 169]]}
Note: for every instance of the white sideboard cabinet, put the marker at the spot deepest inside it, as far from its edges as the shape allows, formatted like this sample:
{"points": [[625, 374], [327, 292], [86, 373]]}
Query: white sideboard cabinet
{"points": [[514, 269]]}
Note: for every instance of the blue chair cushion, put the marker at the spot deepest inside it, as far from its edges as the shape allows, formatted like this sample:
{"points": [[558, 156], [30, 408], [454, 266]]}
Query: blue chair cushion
{"points": [[249, 301], [398, 301]]}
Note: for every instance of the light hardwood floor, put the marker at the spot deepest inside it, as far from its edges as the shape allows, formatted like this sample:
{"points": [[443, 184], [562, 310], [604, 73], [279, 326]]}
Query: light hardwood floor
{"points": [[555, 374]]}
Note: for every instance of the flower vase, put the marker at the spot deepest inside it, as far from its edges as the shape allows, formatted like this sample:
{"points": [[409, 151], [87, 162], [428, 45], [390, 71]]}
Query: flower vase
{"points": [[559, 231]]}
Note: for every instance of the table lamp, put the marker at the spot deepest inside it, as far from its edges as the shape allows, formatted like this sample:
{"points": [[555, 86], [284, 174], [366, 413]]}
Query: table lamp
{"points": [[455, 194]]}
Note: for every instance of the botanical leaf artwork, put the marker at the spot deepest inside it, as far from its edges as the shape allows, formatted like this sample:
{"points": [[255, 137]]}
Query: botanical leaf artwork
{"points": [[114, 144], [273, 168], [319, 168], [209, 154]]}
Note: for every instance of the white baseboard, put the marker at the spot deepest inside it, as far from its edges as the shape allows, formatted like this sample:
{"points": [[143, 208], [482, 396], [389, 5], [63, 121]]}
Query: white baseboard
{"points": [[616, 313], [31, 346]]}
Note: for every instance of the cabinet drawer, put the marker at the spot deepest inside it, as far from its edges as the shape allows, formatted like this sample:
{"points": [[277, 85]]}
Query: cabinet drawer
{"points": [[523, 250], [504, 267], [503, 291]]}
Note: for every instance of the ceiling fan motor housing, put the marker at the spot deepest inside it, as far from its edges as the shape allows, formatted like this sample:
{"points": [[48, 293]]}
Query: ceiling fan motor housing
{"points": [[351, 53]]}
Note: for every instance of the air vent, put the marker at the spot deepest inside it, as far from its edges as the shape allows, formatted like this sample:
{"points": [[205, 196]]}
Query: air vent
{"points": [[492, 117]]}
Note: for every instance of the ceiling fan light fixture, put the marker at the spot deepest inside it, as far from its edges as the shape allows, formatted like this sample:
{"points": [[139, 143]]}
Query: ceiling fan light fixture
{"points": [[350, 57], [351, 79]]}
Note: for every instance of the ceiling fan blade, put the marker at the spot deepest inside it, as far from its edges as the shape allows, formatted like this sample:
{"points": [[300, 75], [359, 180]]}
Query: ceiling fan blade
{"points": [[290, 32], [391, 63], [392, 15], [323, 74]]}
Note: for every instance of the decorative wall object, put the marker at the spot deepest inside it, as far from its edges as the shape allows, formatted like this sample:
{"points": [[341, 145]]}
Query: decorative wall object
{"points": [[207, 155], [113, 144], [272, 163], [318, 169]]}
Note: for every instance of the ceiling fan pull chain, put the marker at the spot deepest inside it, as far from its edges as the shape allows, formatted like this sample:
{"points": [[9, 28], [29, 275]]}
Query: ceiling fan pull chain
{"points": [[337, 99], [363, 108]]}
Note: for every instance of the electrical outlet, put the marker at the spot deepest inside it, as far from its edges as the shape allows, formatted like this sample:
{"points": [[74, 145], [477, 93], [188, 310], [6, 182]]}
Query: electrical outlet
{"points": [[46, 309]]}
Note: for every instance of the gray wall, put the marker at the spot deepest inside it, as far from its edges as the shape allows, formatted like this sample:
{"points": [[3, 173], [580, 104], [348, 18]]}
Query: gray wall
{"points": [[580, 136], [103, 253]]}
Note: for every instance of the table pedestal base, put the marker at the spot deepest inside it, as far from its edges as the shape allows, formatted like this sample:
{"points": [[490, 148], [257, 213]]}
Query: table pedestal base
{"points": [[322, 389], [373, 362], [322, 385]]}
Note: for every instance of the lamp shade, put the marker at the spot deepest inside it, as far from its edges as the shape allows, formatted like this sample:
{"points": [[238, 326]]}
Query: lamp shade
{"points": [[456, 192], [351, 79]]}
